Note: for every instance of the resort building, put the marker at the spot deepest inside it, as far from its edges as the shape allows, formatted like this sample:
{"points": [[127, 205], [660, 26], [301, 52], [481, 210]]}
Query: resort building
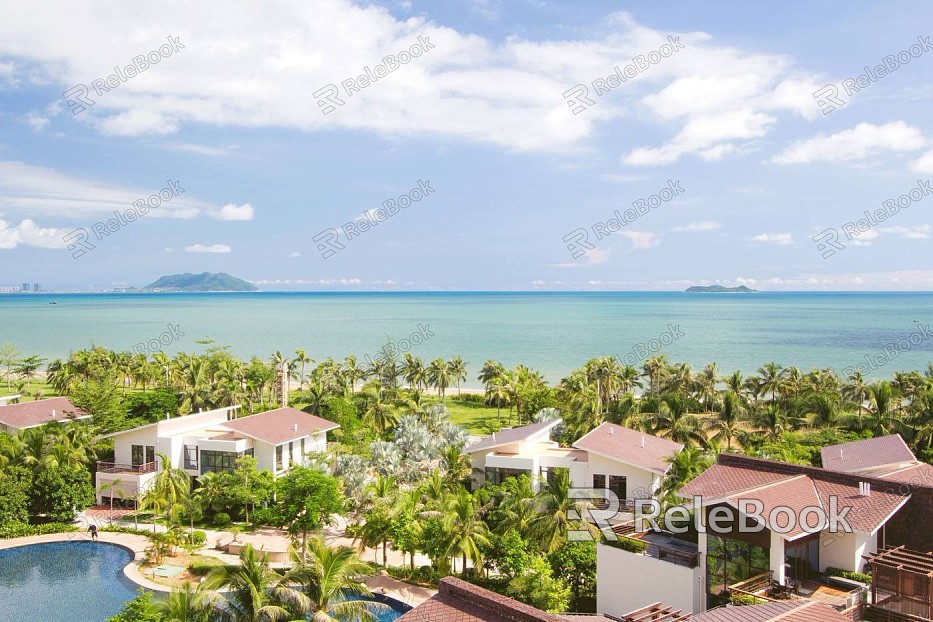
{"points": [[526, 450], [758, 531], [886, 457], [628, 463], [25, 415], [459, 601], [210, 441]]}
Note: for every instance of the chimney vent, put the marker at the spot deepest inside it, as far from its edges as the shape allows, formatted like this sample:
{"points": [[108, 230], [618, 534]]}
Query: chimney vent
{"points": [[642, 442], [295, 427], [864, 489], [53, 413], [612, 430]]}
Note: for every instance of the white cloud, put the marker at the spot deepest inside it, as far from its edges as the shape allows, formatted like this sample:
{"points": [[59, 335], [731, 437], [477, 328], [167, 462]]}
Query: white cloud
{"points": [[507, 93], [231, 211], [205, 150], [641, 240], [294, 254], [29, 233], [924, 164], [920, 232], [704, 225], [213, 248], [863, 141], [34, 190], [780, 239]]}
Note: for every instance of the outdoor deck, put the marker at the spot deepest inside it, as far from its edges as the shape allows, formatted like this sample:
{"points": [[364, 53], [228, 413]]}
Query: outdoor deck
{"points": [[117, 467]]}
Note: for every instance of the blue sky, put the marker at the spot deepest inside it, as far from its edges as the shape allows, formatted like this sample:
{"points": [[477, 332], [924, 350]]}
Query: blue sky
{"points": [[481, 116]]}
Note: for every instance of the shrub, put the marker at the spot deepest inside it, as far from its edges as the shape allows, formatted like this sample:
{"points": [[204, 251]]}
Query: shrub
{"points": [[21, 530], [132, 530], [861, 577], [744, 599], [222, 519], [202, 567], [198, 538], [628, 544]]}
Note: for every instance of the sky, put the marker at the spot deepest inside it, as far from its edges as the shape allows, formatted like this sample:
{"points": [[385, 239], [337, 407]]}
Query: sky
{"points": [[481, 161]]}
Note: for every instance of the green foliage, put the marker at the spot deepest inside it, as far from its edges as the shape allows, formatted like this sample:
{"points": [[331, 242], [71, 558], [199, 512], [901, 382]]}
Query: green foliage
{"points": [[222, 520], [100, 397], [203, 567], [140, 609], [197, 538], [741, 600], [305, 500], [122, 529], [22, 530], [575, 564], [59, 490], [235, 492], [628, 544], [539, 588], [850, 575], [434, 541], [15, 485], [149, 406], [510, 553]]}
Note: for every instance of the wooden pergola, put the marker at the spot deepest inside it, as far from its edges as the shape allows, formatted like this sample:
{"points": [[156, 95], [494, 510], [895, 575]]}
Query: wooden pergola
{"points": [[902, 582], [656, 613]]}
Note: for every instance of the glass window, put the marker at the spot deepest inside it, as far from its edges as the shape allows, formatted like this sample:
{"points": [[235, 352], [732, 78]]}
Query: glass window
{"points": [[617, 484], [191, 456], [599, 481], [250, 452], [136, 453], [302, 449], [150, 454], [731, 561], [278, 458], [217, 461]]}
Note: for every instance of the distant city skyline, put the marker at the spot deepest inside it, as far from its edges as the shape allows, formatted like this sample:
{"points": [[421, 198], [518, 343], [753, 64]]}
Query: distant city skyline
{"points": [[468, 146]]}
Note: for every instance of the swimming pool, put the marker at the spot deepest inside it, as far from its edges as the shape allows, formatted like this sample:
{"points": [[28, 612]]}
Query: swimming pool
{"points": [[398, 608], [64, 582]]}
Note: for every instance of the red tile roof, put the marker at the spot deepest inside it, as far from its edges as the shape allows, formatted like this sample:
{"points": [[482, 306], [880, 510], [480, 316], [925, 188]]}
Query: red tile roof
{"points": [[918, 475], [280, 425], [625, 445], [32, 414], [459, 601], [511, 435], [867, 454], [775, 483], [785, 611]]}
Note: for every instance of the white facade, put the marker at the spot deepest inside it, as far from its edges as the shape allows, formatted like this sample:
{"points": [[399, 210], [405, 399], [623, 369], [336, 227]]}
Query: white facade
{"points": [[640, 483], [629, 581], [184, 440]]}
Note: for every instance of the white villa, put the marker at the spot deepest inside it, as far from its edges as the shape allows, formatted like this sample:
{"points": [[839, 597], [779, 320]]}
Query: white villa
{"points": [[25, 415], [210, 441], [630, 464]]}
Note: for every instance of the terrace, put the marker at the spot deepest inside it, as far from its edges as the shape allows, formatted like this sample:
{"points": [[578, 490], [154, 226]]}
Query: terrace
{"points": [[838, 593], [104, 466], [902, 585], [657, 545]]}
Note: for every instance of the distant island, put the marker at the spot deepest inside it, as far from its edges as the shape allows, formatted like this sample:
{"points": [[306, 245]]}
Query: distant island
{"points": [[719, 289], [204, 282]]}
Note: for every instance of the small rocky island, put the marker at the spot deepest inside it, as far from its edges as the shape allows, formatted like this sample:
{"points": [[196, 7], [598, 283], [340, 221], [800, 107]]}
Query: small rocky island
{"points": [[204, 282], [719, 289]]}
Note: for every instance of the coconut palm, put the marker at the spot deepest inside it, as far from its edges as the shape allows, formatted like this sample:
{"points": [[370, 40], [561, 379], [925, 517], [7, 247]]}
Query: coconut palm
{"points": [[439, 376], [188, 604], [555, 510], [458, 371], [329, 577], [169, 487], [254, 591], [465, 527]]}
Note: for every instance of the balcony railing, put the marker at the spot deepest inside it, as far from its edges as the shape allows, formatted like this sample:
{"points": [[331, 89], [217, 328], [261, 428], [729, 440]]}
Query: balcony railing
{"points": [[117, 467]]}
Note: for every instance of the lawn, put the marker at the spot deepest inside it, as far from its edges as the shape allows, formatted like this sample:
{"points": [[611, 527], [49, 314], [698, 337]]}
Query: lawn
{"points": [[477, 418]]}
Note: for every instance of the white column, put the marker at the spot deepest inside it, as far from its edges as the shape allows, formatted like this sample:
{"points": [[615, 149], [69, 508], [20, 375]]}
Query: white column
{"points": [[777, 557]]}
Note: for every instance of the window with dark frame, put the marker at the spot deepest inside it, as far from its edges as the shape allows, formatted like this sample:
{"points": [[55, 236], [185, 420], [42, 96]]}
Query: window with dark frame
{"points": [[136, 454], [191, 457], [617, 484], [599, 481], [278, 457]]}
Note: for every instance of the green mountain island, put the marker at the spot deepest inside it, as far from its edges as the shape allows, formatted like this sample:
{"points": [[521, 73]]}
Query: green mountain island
{"points": [[719, 289], [204, 282]]}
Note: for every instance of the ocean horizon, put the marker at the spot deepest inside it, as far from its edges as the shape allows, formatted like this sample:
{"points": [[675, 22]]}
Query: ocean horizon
{"points": [[553, 332]]}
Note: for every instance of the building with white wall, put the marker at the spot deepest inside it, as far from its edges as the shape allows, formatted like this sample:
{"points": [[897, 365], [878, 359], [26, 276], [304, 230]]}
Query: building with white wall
{"points": [[210, 441]]}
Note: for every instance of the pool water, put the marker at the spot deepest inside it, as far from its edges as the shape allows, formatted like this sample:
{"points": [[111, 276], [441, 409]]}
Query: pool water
{"points": [[64, 582], [398, 608]]}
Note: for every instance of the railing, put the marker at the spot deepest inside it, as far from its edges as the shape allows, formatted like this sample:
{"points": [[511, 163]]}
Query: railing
{"points": [[116, 467], [672, 555]]}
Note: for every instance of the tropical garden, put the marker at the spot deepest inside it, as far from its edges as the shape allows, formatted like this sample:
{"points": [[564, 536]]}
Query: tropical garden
{"points": [[397, 471]]}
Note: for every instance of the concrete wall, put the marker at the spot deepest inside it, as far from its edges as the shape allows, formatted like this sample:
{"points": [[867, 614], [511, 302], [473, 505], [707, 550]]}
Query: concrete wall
{"points": [[640, 482], [845, 550], [627, 581]]}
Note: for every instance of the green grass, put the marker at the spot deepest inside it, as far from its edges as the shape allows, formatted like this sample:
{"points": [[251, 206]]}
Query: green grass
{"points": [[477, 418]]}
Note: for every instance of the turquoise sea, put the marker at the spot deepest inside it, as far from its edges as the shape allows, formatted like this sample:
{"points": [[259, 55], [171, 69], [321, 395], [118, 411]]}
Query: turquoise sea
{"points": [[553, 332]]}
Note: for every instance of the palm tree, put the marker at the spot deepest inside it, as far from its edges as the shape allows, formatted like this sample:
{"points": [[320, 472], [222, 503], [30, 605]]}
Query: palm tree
{"points": [[169, 487], [188, 604], [490, 371], [329, 575], [379, 413], [256, 592], [770, 379], [685, 465], [554, 511], [466, 529], [302, 359], [353, 372], [855, 389], [456, 464], [458, 370], [728, 423], [440, 376]]}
